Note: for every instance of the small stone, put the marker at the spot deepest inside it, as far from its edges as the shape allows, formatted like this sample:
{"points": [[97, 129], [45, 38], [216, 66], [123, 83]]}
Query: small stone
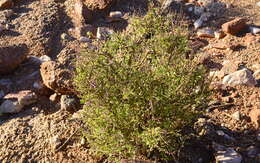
{"points": [[4, 4], [236, 115], [84, 39], [65, 36], [115, 14], [103, 33], [206, 32], [55, 142], [254, 30], [82, 141], [258, 4], [198, 23], [257, 75], [54, 98], [219, 34], [69, 103], [235, 26], [39, 60], [227, 99], [241, 77]]}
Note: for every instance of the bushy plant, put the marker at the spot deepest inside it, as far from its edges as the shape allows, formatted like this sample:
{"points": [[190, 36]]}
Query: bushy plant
{"points": [[139, 91]]}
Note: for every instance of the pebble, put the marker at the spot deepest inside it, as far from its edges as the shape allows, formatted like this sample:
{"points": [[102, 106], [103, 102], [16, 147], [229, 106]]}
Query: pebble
{"points": [[55, 142], [39, 60], [65, 36], [258, 4], [206, 32], [116, 14], [219, 34], [84, 39], [198, 23], [236, 115], [69, 103], [241, 77], [103, 33], [257, 75], [54, 98], [254, 30]]}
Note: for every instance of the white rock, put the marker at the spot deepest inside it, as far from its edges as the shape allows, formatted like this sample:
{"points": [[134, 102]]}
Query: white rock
{"points": [[258, 4], [40, 60], [198, 23], [241, 77], [103, 33], [236, 115], [254, 30], [84, 39], [206, 32], [228, 155], [55, 142], [9, 106], [116, 14], [257, 75]]}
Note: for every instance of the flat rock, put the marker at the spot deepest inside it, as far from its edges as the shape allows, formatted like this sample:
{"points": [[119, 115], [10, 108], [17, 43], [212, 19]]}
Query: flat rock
{"points": [[11, 57], [14, 102], [235, 26], [241, 77], [206, 32]]}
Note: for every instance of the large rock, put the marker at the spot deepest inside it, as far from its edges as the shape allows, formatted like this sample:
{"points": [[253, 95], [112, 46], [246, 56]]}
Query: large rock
{"points": [[241, 77], [235, 26], [11, 57], [57, 77], [4, 4]]}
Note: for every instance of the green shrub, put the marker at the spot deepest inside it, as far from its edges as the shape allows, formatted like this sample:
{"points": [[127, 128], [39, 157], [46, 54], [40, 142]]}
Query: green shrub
{"points": [[139, 90]]}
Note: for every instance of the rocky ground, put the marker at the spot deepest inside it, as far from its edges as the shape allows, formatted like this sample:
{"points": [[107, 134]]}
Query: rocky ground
{"points": [[39, 39]]}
